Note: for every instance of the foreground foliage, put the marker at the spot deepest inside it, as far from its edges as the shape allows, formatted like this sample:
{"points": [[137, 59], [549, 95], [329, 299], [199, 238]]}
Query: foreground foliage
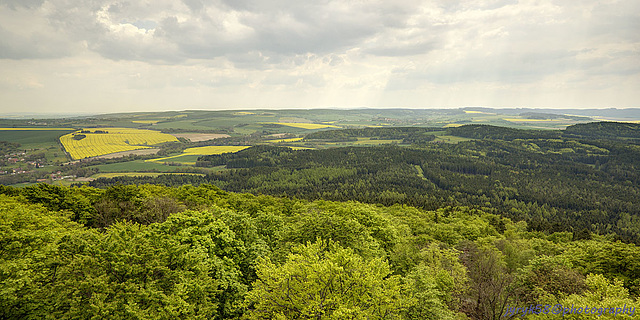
{"points": [[153, 252]]}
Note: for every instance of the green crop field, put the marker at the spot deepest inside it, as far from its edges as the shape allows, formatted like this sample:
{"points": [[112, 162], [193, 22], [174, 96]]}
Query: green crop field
{"points": [[33, 138], [190, 155], [138, 174], [185, 159], [366, 141], [137, 165]]}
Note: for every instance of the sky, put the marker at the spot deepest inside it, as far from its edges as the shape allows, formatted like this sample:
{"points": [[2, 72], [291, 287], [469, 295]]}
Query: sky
{"points": [[100, 56]]}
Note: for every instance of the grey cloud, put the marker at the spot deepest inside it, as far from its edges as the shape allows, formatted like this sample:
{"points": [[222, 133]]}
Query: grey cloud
{"points": [[333, 60], [313, 80], [401, 42], [77, 21], [251, 60], [284, 28], [115, 48], [465, 5], [14, 4], [402, 50], [617, 63], [213, 81], [280, 31], [34, 46], [194, 5], [509, 67], [256, 34], [144, 24], [317, 28], [620, 21]]}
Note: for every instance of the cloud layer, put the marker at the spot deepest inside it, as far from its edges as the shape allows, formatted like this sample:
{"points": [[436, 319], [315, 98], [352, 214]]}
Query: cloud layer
{"points": [[113, 55]]}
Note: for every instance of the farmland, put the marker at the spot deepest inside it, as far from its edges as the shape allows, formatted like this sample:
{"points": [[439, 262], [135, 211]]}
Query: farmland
{"points": [[133, 166], [197, 137], [191, 154], [33, 137], [173, 141], [86, 143], [36, 129], [285, 140], [139, 174], [306, 125]]}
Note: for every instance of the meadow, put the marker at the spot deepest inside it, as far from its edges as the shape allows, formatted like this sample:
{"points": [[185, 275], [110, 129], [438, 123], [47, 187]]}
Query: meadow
{"points": [[139, 174], [190, 155], [131, 166], [285, 140]]}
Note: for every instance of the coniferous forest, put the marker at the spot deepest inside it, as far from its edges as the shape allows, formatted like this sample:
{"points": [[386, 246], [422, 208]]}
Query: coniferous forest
{"points": [[505, 219]]}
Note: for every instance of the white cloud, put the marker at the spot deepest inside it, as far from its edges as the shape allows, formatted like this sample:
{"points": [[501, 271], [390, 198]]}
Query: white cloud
{"points": [[200, 53]]}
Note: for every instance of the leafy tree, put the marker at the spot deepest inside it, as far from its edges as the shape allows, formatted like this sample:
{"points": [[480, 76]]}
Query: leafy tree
{"points": [[549, 278], [58, 198], [28, 256], [601, 293], [491, 287], [361, 228], [321, 280], [611, 259], [436, 284]]}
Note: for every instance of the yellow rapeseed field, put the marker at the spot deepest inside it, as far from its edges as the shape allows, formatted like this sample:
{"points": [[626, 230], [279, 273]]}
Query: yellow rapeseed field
{"points": [[116, 140]]}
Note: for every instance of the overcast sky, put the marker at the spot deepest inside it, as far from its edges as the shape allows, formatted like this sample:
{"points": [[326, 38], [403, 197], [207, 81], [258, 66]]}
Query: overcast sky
{"points": [[96, 56]]}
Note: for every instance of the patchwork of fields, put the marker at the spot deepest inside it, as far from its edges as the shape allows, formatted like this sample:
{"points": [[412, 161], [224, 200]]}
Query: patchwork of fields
{"points": [[90, 143], [47, 145]]}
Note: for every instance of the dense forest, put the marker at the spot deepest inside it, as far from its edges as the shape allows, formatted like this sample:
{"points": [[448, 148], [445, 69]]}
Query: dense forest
{"points": [[502, 222], [553, 180], [406, 134], [156, 252]]}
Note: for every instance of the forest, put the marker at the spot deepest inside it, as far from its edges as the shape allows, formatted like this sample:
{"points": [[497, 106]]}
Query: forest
{"points": [[553, 180], [502, 220], [157, 252]]}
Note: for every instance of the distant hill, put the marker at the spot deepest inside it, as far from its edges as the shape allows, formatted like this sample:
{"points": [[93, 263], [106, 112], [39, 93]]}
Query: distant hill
{"points": [[604, 130], [545, 116], [483, 131], [593, 130], [607, 113]]}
